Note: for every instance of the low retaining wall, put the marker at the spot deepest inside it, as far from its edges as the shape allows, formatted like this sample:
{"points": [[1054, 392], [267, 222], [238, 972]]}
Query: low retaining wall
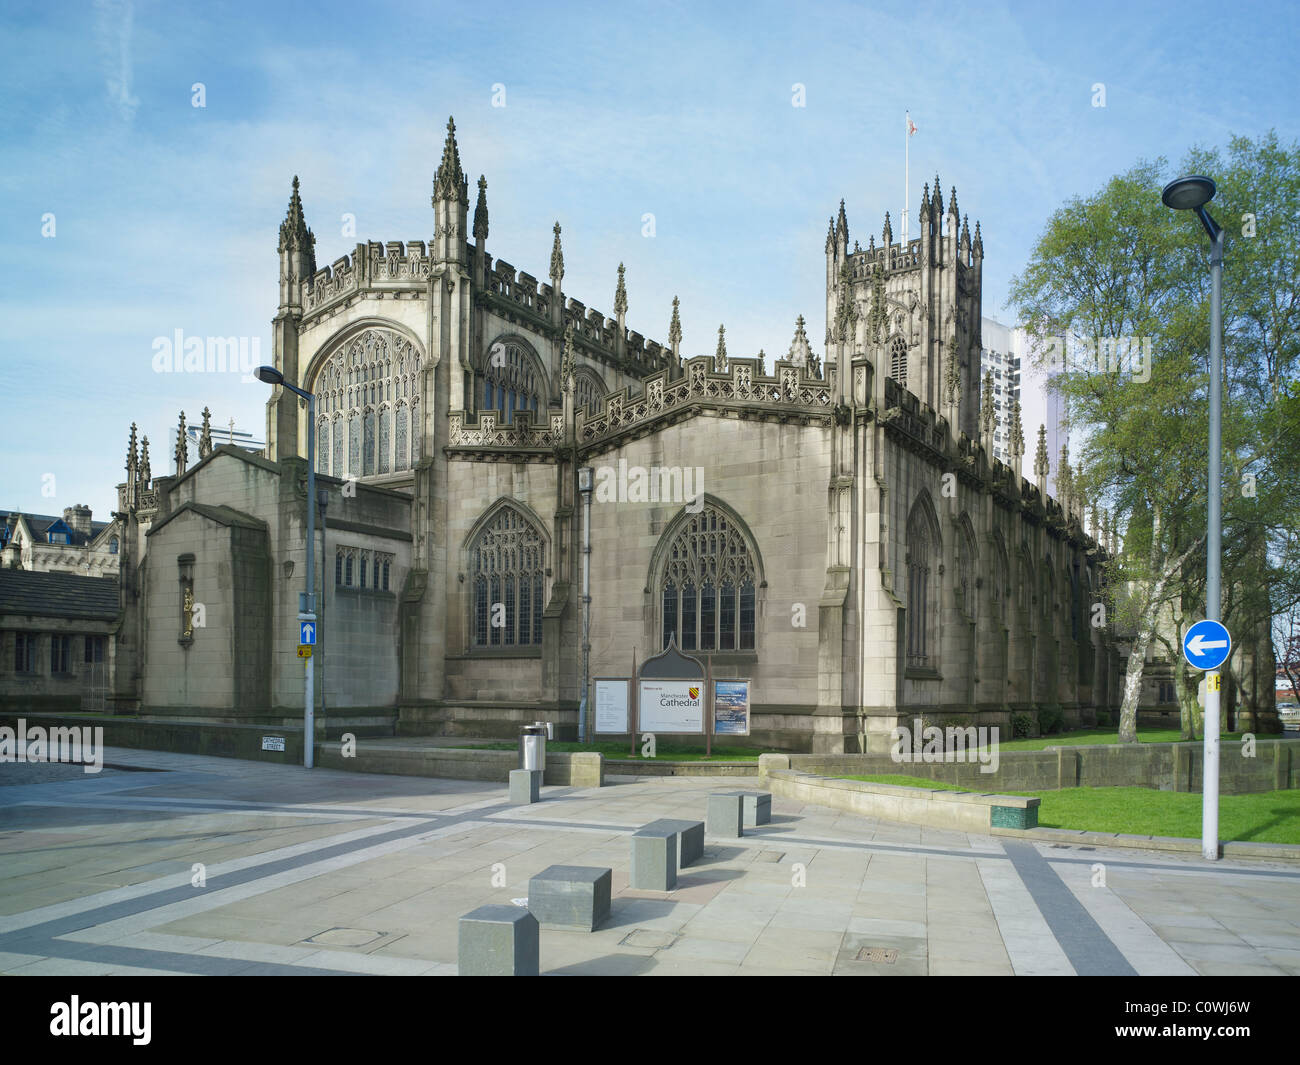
{"points": [[180, 737], [964, 811], [372, 755], [665, 767], [1275, 765], [581, 770]]}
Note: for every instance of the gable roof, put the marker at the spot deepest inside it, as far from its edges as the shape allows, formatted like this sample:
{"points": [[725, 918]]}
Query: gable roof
{"points": [[39, 525], [222, 515], [58, 595]]}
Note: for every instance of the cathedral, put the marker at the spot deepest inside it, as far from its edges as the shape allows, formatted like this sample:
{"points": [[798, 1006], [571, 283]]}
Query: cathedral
{"points": [[835, 530]]}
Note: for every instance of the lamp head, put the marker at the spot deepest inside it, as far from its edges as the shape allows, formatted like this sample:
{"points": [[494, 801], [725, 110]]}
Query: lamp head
{"points": [[269, 375], [1188, 193]]}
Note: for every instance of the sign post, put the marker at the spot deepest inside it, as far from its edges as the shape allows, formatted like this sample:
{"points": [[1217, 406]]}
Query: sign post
{"points": [[1207, 646], [307, 641]]}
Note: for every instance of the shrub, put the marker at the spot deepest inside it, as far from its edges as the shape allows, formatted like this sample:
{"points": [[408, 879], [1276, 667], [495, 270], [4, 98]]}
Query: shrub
{"points": [[1050, 720], [1022, 726], [1103, 718]]}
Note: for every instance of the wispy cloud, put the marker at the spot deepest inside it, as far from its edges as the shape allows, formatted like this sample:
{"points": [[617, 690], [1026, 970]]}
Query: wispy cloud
{"points": [[113, 40]]}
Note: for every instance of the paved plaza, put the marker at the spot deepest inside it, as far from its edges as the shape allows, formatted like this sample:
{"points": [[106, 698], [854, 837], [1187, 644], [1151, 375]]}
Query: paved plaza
{"points": [[330, 872]]}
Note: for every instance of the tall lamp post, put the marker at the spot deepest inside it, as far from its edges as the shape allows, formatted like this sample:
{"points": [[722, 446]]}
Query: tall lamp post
{"points": [[323, 501], [306, 600], [1192, 194], [586, 476]]}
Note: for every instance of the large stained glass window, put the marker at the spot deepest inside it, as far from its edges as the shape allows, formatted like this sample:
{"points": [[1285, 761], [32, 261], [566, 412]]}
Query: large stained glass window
{"points": [[706, 595], [508, 560], [367, 399]]}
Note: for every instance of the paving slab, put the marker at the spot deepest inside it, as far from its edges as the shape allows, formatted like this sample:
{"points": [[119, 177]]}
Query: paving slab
{"points": [[332, 871]]}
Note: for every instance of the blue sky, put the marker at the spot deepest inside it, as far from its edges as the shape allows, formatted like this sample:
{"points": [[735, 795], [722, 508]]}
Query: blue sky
{"points": [[166, 215]]}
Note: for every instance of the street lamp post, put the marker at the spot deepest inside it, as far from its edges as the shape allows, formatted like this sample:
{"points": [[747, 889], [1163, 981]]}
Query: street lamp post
{"points": [[585, 479], [1192, 194], [307, 601], [323, 500]]}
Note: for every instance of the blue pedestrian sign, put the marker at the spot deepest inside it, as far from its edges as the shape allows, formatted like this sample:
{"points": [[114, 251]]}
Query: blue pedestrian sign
{"points": [[308, 632], [1207, 645]]}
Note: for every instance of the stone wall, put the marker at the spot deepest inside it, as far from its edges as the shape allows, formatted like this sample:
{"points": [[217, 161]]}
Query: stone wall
{"points": [[1163, 766]]}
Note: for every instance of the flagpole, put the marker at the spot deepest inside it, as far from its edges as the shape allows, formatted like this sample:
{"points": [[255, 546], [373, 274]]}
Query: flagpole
{"points": [[907, 172]]}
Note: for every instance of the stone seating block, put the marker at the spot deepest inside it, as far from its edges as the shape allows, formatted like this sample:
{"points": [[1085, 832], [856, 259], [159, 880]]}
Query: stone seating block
{"points": [[758, 807], [654, 860], [498, 941], [725, 815], [525, 785], [690, 838], [571, 896]]}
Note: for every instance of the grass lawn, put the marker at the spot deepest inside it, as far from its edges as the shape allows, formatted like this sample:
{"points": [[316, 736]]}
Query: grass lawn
{"points": [[667, 752], [1264, 817], [1098, 736]]}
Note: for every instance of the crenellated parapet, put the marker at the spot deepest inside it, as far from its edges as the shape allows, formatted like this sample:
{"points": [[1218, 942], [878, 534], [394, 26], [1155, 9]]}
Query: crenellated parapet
{"points": [[521, 435], [374, 266], [915, 425], [888, 257], [520, 298], [329, 284], [789, 392]]}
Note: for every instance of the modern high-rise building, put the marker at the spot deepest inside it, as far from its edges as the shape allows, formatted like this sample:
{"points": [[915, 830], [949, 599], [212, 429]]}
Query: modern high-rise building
{"points": [[1008, 352], [1001, 355]]}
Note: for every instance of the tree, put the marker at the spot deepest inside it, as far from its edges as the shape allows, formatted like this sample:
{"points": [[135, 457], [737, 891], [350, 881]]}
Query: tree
{"points": [[1117, 294]]}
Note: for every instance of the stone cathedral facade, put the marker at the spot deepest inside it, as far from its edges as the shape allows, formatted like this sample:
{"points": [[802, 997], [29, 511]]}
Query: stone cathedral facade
{"points": [[834, 529]]}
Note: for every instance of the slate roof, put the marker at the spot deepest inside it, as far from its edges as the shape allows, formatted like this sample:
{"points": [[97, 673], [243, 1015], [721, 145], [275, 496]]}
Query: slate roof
{"points": [[40, 524], [57, 595]]}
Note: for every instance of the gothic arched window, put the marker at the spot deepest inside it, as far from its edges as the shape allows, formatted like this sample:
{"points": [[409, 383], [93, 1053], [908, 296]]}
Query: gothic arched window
{"points": [[511, 381], [966, 561], [508, 565], [1025, 589], [357, 389], [898, 360], [588, 391], [999, 588], [922, 588], [707, 589]]}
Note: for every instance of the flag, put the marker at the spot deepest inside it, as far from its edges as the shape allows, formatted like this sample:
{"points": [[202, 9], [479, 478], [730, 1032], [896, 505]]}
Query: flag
{"points": [[911, 126]]}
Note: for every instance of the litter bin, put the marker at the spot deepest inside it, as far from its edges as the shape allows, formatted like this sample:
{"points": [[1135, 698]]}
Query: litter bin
{"points": [[532, 747]]}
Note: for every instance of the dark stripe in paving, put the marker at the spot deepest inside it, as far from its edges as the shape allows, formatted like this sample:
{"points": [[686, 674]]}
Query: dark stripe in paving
{"points": [[1176, 867], [1087, 947], [166, 896], [193, 964]]}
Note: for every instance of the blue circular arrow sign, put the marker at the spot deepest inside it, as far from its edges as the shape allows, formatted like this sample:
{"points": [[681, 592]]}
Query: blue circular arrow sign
{"points": [[1207, 645]]}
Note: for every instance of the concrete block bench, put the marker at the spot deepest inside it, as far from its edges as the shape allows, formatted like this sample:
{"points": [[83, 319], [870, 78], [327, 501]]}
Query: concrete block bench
{"points": [[725, 815], [690, 838], [525, 785], [498, 941], [570, 896], [758, 807], [654, 860]]}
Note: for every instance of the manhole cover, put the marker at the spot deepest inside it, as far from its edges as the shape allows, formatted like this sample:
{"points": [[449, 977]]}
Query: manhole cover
{"points": [[346, 937], [647, 938], [769, 856], [887, 955]]}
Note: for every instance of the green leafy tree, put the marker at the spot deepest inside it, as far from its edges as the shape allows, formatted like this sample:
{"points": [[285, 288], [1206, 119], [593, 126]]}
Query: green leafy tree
{"points": [[1116, 294]]}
